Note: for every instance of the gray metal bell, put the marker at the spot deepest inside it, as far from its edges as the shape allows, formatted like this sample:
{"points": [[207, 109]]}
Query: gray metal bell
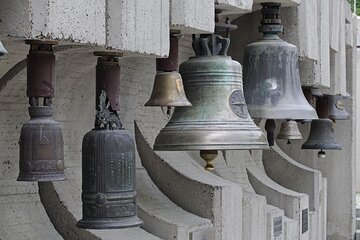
{"points": [[289, 130], [2, 50], [321, 135], [337, 110], [272, 84]]}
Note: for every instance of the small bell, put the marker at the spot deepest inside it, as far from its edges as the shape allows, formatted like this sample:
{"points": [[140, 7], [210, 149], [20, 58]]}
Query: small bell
{"points": [[108, 157], [322, 136], [272, 84], [336, 107], [2, 50], [289, 130], [168, 89], [41, 141]]}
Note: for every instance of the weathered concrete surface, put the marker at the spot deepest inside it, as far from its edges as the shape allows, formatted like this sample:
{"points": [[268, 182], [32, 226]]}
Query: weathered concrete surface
{"points": [[192, 17]]}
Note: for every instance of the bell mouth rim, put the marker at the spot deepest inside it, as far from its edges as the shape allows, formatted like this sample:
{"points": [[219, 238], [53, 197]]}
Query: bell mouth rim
{"points": [[23, 177], [318, 147]]}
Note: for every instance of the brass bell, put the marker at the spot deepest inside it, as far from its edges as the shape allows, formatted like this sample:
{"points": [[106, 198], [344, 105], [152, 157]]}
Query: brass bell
{"points": [[168, 89], [218, 119], [289, 130], [321, 136], [336, 107], [2, 50], [272, 84], [108, 157], [41, 141]]}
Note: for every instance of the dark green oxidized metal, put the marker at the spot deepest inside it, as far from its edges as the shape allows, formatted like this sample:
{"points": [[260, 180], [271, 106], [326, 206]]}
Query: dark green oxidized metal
{"points": [[272, 84], [218, 119], [108, 158], [41, 141]]}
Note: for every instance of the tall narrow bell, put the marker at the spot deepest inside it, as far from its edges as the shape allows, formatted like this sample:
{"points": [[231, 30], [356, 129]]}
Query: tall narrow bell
{"points": [[108, 157], [218, 119], [272, 84], [41, 141], [336, 106], [168, 89], [321, 136], [2, 50], [289, 130]]}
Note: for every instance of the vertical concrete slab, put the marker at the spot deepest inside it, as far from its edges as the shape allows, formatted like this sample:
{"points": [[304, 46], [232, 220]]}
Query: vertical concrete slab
{"points": [[334, 23], [324, 42], [140, 26], [192, 17]]}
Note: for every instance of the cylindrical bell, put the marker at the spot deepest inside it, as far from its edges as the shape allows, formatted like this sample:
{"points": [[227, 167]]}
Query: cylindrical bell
{"points": [[336, 107], [322, 136], [2, 50], [41, 147], [289, 130], [272, 84], [41, 141], [168, 89], [108, 158], [218, 119]]}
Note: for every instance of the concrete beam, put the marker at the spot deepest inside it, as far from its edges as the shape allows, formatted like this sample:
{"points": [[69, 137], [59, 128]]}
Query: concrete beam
{"points": [[192, 17], [284, 3], [234, 6]]}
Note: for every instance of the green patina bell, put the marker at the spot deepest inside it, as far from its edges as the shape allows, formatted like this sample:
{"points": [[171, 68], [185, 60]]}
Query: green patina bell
{"points": [[218, 118]]}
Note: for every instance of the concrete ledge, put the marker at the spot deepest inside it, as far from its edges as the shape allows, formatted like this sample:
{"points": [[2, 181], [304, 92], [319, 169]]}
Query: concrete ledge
{"points": [[291, 202], [197, 191]]}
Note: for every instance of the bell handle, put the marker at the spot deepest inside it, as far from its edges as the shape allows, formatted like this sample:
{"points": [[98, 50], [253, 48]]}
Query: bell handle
{"points": [[201, 46], [225, 44]]}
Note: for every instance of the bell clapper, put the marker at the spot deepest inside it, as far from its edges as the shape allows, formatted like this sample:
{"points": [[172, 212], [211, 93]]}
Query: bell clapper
{"points": [[209, 156], [270, 127], [321, 154], [166, 112], [288, 142]]}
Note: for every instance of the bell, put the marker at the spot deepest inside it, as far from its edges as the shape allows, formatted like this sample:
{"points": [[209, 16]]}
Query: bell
{"points": [[2, 50], [168, 89], [272, 84], [108, 158], [41, 141], [218, 119], [289, 130], [336, 107], [41, 147], [321, 136]]}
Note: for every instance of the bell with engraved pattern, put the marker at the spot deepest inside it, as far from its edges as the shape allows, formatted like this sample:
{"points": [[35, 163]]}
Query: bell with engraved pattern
{"points": [[168, 89], [335, 107], [218, 118], [108, 157], [41, 141], [272, 84]]}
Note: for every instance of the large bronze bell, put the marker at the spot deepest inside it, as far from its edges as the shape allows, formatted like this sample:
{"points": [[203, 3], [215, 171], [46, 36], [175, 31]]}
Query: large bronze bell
{"points": [[41, 141], [218, 119], [168, 89], [289, 130], [2, 50], [272, 84], [108, 157]]}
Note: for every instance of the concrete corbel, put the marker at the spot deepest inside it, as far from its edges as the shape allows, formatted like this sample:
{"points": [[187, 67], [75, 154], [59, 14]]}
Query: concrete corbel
{"points": [[297, 177], [295, 205], [195, 190]]}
